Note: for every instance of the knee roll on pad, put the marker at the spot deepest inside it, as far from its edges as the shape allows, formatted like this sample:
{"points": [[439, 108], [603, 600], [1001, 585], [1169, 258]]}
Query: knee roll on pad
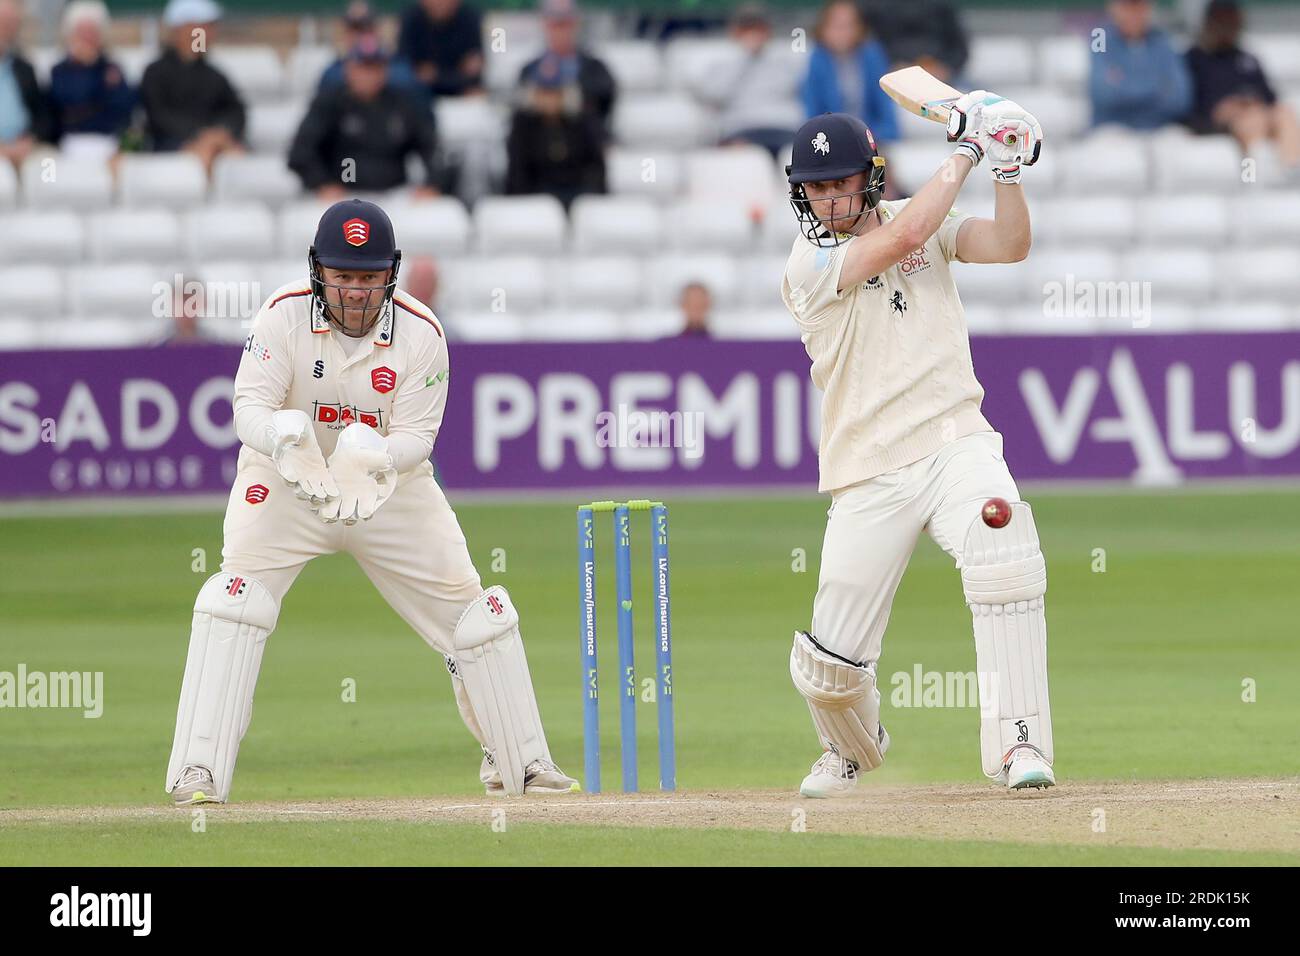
{"points": [[233, 615], [490, 661], [1004, 577], [842, 699]]}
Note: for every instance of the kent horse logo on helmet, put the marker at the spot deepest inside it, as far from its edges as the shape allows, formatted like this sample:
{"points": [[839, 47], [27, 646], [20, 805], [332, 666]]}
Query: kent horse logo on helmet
{"points": [[356, 232]]}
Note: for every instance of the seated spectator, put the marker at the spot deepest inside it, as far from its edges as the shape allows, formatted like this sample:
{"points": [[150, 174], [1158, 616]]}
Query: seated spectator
{"points": [[186, 308], [555, 146], [923, 33], [358, 136], [560, 22], [1232, 94], [420, 279], [189, 105], [91, 99], [1139, 81], [844, 71], [25, 116], [696, 303], [443, 42], [751, 85], [359, 21]]}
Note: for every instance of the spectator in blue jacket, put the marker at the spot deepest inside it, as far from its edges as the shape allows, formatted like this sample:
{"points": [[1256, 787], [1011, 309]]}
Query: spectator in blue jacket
{"points": [[359, 22], [91, 98], [1139, 80], [845, 68]]}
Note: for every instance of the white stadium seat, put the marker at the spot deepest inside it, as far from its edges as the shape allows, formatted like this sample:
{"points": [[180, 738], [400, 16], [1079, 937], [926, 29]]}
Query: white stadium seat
{"points": [[636, 64], [779, 228], [134, 60], [688, 60], [984, 319], [1197, 219], [1104, 163], [66, 182], [1196, 164], [296, 226], [501, 67], [761, 281], [468, 119], [999, 61], [1042, 267], [661, 121], [124, 235], [8, 186], [1269, 273], [304, 67], [483, 326], [991, 284], [104, 333], [611, 282], [910, 163], [229, 231], [251, 177], [272, 126], [1176, 274], [667, 275], [1278, 53], [753, 324], [171, 179], [1064, 115], [533, 224], [254, 71], [646, 172], [31, 290], [499, 284], [21, 333], [128, 290], [616, 224], [717, 225], [1063, 62], [49, 236], [731, 172], [1263, 217], [567, 325], [1245, 317], [644, 325], [1101, 219], [438, 226], [280, 272]]}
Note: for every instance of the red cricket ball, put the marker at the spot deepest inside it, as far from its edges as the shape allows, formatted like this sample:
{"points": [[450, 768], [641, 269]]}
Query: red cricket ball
{"points": [[996, 513]]}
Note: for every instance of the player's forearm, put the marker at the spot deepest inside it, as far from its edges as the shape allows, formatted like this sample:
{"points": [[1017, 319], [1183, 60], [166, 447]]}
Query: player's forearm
{"points": [[1011, 221], [408, 450], [253, 427]]}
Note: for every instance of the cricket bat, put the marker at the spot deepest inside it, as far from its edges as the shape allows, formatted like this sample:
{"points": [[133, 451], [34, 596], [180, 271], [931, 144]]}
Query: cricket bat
{"points": [[918, 92]]}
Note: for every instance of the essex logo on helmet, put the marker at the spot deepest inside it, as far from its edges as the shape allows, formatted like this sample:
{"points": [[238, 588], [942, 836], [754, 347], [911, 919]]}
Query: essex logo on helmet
{"points": [[356, 232]]}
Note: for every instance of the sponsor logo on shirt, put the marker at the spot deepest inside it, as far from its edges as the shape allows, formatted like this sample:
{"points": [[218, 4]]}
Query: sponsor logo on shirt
{"points": [[256, 348], [914, 262], [338, 415]]}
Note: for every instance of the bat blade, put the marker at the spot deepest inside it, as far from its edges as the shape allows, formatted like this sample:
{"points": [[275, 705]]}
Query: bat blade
{"points": [[916, 91]]}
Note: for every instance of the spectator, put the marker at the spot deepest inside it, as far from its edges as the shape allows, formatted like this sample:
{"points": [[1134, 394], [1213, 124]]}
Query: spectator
{"points": [[555, 146], [560, 22], [443, 42], [751, 85], [420, 279], [90, 96], [359, 21], [696, 304], [1139, 80], [844, 71], [922, 33], [188, 104], [187, 307], [1231, 92], [25, 116], [358, 136]]}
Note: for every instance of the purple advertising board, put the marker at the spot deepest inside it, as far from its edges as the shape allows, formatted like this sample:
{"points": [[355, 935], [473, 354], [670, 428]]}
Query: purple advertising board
{"points": [[1153, 409]]}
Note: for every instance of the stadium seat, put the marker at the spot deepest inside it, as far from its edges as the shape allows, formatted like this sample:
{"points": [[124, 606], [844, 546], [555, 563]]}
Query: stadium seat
{"points": [[501, 67], [999, 61], [992, 284], [1176, 274], [504, 284], [1064, 115], [49, 236], [667, 275], [732, 172], [779, 228], [1102, 219], [31, 290], [1161, 318], [104, 333], [438, 226], [713, 224], [134, 60], [1104, 163], [910, 163], [1032, 319], [1048, 269], [66, 182], [124, 235], [264, 179], [1245, 317], [569, 325], [130, 290], [475, 326], [21, 333], [172, 179], [616, 224], [8, 186], [753, 324], [646, 172], [1260, 218], [254, 71], [1196, 219], [272, 126], [1196, 164], [661, 121], [228, 231], [280, 272], [688, 60], [610, 282], [1279, 54], [296, 227], [760, 281], [533, 224], [233, 292], [304, 67], [636, 64], [644, 325], [1063, 62], [469, 119], [984, 319], [1253, 274]]}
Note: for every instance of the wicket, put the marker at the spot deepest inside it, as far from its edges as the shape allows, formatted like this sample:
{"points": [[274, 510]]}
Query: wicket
{"points": [[627, 670]]}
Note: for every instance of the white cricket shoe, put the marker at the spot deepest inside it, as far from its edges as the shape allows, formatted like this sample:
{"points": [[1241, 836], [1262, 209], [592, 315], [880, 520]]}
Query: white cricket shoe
{"points": [[540, 776], [195, 786], [1028, 768], [831, 776]]}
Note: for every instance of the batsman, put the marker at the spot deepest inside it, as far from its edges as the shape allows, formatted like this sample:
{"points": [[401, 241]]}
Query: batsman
{"points": [[338, 401], [904, 446]]}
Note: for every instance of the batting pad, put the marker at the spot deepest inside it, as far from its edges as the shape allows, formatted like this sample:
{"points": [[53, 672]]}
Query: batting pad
{"points": [[233, 615], [491, 662], [842, 699], [1005, 577]]}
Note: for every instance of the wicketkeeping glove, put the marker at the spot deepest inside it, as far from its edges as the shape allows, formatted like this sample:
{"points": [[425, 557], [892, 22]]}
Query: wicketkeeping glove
{"points": [[364, 473], [298, 458]]}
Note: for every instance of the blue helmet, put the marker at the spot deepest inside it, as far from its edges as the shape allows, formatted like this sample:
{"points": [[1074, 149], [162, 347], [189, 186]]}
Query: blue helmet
{"points": [[356, 235], [829, 147]]}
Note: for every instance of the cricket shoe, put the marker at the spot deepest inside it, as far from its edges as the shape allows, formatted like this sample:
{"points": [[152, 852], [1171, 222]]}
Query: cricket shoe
{"points": [[835, 776], [1028, 768], [540, 776], [195, 786]]}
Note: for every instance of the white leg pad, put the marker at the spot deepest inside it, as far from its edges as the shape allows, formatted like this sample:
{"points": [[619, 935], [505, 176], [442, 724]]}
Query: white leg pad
{"points": [[843, 700], [1005, 578], [233, 615], [491, 663]]}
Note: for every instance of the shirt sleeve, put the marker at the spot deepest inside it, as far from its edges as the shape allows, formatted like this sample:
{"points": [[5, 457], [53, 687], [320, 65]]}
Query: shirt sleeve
{"points": [[809, 288], [262, 382], [418, 407], [947, 232]]}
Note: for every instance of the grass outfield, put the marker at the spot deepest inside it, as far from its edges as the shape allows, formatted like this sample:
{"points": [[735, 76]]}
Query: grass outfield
{"points": [[1148, 661]]}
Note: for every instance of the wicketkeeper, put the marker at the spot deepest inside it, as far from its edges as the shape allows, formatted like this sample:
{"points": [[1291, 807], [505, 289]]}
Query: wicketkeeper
{"points": [[338, 401]]}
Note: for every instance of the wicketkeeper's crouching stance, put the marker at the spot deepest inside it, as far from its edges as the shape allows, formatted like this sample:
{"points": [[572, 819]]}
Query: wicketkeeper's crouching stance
{"points": [[338, 400], [904, 446]]}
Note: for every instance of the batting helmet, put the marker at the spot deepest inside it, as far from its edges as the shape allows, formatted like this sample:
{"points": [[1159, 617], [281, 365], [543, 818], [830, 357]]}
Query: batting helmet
{"points": [[358, 236], [826, 148]]}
